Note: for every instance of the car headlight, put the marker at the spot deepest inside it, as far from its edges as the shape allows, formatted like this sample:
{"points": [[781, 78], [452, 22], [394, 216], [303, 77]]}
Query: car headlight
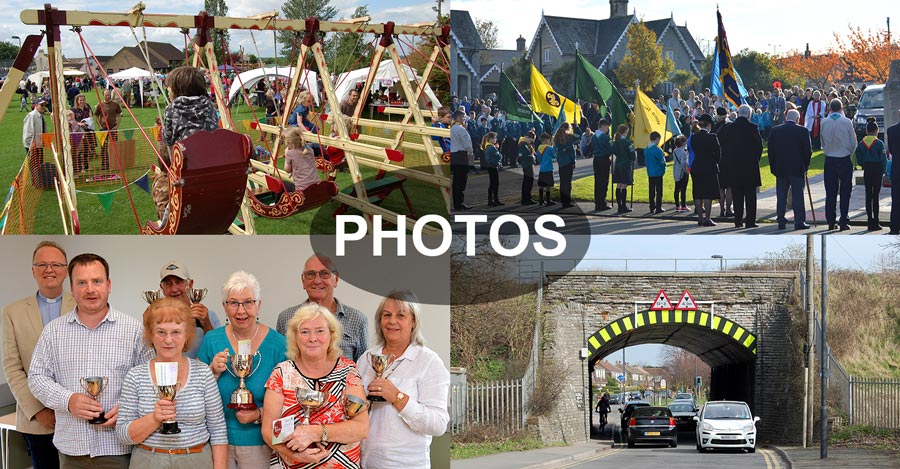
{"points": [[748, 428], [860, 119], [707, 427]]}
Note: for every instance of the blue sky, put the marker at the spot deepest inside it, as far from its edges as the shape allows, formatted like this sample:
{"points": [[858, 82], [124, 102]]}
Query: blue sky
{"points": [[763, 25], [106, 41]]}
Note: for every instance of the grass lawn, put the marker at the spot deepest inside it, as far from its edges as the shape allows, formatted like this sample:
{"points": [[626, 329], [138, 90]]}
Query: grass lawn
{"points": [[474, 450], [121, 219], [583, 189]]}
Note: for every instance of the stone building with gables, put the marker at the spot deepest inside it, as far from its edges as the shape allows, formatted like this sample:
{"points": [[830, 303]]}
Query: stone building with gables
{"points": [[465, 51]]}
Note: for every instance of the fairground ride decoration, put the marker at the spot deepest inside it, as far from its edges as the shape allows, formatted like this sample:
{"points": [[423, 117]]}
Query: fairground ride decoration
{"points": [[222, 189]]}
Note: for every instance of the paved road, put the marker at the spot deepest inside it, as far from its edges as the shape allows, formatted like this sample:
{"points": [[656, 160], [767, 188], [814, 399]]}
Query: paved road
{"points": [[685, 456]]}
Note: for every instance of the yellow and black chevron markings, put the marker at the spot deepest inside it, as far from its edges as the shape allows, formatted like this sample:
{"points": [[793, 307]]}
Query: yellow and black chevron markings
{"points": [[648, 318]]}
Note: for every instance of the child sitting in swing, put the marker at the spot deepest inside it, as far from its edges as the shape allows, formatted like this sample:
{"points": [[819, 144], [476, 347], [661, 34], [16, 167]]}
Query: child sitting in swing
{"points": [[299, 160], [189, 111]]}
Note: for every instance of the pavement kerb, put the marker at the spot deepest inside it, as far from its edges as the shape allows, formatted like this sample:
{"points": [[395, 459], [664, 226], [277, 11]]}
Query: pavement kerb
{"points": [[784, 456], [568, 459]]}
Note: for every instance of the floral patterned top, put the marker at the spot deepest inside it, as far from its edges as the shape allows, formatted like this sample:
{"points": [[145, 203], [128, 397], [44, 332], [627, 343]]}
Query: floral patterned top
{"points": [[286, 378]]}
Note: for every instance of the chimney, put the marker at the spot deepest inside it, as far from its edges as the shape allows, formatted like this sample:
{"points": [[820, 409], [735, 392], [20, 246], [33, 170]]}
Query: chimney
{"points": [[618, 8], [520, 44]]}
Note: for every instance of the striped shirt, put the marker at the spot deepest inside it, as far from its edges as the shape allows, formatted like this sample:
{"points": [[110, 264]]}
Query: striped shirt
{"points": [[355, 324], [198, 408], [68, 351]]}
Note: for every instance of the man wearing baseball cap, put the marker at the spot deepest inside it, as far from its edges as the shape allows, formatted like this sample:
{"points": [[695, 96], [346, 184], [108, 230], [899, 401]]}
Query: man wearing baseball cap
{"points": [[175, 282], [34, 125]]}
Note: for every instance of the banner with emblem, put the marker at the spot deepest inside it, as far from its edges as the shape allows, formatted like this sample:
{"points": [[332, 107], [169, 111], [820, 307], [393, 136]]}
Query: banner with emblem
{"points": [[725, 80], [547, 101]]}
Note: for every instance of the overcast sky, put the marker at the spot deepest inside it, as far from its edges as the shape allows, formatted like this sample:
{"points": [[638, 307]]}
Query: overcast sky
{"points": [[763, 25], [108, 40]]}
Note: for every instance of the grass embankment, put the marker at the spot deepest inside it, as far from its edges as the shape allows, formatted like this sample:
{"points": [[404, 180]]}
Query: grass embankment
{"points": [[475, 449], [583, 189], [867, 437], [120, 219]]}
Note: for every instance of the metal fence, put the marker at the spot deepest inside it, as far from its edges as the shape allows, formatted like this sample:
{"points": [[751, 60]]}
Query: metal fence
{"points": [[871, 402], [498, 405]]}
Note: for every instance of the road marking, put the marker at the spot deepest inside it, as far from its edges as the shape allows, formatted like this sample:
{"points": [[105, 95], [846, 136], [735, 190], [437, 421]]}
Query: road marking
{"points": [[773, 461], [599, 456]]}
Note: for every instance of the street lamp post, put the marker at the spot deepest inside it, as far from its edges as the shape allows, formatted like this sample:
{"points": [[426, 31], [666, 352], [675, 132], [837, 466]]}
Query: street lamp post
{"points": [[19, 39], [721, 259]]}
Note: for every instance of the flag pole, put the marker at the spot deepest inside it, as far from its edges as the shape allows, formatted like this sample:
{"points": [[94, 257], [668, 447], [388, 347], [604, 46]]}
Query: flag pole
{"points": [[637, 84], [811, 208]]}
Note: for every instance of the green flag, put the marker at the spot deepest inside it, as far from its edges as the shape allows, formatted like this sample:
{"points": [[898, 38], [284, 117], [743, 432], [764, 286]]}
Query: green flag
{"points": [[593, 86], [510, 100]]}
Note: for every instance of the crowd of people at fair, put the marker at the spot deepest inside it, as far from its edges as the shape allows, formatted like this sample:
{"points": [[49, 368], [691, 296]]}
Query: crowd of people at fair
{"points": [[726, 169], [93, 385]]}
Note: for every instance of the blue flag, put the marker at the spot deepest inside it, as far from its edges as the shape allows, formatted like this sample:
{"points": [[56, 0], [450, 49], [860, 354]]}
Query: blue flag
{"points": [[672, 123], [726, 82]]}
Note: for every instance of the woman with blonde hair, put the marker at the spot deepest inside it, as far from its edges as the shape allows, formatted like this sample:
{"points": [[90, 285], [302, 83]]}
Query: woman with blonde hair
{"points": [[412, 389], [315, 367]]}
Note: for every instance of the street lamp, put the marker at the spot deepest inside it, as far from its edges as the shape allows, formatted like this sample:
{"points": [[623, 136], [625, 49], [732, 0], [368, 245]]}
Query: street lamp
{"points": [[19, 39], [775, 49], [721, 261]]}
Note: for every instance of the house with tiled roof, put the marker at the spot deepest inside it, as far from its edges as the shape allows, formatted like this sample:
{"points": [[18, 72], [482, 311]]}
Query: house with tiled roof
{"points": [[603, 42], [465, 63], [163, 58]]}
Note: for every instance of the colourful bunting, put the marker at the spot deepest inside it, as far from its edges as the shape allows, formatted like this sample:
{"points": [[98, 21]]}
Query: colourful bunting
{"points": [[106, 200], [144, 183]]}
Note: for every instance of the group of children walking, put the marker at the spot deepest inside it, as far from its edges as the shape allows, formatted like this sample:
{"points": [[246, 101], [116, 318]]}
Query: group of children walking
{"points": [[529, 157]]}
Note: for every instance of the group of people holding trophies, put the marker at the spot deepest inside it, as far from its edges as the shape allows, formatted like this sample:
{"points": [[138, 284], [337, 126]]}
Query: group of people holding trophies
{"points": [[179, 389]]}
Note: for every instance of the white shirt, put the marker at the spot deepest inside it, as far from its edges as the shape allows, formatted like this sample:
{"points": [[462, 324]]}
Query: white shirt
{"points": [[838, 136], [403, 439]]}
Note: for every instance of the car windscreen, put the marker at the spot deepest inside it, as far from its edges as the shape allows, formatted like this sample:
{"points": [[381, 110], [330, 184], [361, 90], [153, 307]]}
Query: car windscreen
{"points": [[871, 100], [728, 411], [652, 412], [681, 408]]}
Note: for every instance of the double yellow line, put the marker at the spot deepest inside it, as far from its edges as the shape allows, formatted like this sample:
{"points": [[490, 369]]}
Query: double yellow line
{"points": [[602, 455], [773, 461]]}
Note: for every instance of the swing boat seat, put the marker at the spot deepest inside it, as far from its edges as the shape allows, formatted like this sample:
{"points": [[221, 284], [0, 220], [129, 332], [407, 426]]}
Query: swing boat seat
{"points": [[276, 202], [379, 189], [210, 171]]}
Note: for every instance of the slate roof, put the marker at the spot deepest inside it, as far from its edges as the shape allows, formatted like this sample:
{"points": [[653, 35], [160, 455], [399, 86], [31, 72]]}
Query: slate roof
{"points": [[657, 26], [463, 27], [692, 44], [594, 37], [494, 58]]}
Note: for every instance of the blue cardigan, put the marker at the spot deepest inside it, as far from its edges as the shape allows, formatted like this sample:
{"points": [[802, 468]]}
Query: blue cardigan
{"points": [[655, 159]]}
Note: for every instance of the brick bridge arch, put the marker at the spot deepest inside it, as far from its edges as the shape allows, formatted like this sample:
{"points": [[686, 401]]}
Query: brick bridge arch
{"points": [[746, 329]]}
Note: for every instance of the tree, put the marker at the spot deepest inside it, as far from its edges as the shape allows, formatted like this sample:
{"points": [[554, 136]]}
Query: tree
{"points": [[438, 80], [819, 70], [302, 9], [218, 8], [868, 54], [8, 50], [683, 79], [756, 69], [682, 366], [487, 31], [562, 79], [346, 49], [520, 74], [643, 60]]}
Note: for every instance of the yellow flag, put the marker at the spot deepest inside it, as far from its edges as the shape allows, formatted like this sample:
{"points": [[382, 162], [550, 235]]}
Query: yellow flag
{"points": [[101, 137], [547, 101], [647, 118]]}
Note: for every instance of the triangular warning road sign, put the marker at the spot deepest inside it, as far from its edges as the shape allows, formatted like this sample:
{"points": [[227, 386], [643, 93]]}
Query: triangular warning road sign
{"points": [[661, 302], [686, 302]]}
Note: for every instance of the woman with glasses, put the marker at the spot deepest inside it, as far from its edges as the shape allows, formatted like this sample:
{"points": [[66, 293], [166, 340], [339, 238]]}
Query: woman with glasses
{"points": [[197, 410], [410, 397], [326, 384], [240, 298]]}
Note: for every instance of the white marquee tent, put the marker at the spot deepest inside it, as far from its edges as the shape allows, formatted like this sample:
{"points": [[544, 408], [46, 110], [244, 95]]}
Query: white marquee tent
{"points": [[250, 78], [386, 75]]}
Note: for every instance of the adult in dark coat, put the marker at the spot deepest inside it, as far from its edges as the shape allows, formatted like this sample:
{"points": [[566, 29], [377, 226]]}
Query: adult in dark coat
{"points": [[704, 169], [719, 128], [893, 141], [790, 150], [742, 148]]}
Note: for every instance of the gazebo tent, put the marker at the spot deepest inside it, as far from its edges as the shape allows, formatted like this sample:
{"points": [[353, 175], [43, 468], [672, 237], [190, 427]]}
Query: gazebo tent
{"points": [[133, 73], [386, 73], [250, 78]]}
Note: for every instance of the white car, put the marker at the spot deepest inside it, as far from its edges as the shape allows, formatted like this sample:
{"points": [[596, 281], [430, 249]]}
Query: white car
{"points": [[726, 425]]}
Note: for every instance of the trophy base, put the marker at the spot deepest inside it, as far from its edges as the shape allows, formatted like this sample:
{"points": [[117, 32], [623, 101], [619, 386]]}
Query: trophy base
{"points": [[169, 428], [375, 398], [98, 420], [250, 406]]}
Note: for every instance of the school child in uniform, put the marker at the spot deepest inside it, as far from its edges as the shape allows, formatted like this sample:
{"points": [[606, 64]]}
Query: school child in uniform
{"points": [[546, 152], [492, 162]]}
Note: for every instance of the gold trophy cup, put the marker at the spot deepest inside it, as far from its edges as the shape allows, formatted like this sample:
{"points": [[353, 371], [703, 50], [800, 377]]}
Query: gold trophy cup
{"points": [[196, 295], [93, 386], [353, 405], [379, 364], [242, 398], [309, 400], [150, 295], [167, 392]]}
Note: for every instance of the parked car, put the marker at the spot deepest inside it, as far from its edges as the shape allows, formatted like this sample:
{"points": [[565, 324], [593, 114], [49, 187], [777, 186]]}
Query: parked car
{"points": [[871, 104], [684, 412], [614, 399], [652, 425], [628, 410], [726, 425]]}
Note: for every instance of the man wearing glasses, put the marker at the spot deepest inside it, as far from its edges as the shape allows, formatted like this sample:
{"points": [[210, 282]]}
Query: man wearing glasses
{"points": [[319, 280], [175, 282], [23, 322], [34, 125]]}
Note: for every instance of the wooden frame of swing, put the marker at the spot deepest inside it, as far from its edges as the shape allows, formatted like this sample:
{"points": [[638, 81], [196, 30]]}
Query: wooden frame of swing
{"points": [[311, 26]]}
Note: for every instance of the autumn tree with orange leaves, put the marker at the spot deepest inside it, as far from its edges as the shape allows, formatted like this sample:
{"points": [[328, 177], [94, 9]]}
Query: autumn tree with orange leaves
{"points": [[817, 70], [867, 54]]}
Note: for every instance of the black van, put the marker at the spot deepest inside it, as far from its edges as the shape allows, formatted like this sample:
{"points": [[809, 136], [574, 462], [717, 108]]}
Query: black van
{"points": [[871, 103]]}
